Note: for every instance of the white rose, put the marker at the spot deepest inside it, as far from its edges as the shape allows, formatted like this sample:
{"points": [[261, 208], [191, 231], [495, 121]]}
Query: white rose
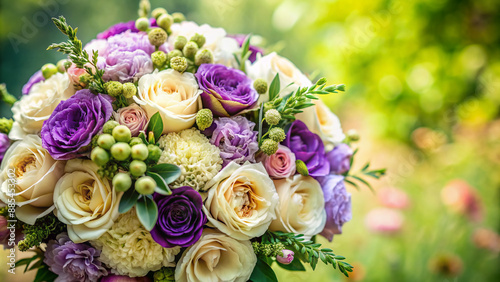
{"points": [[29, 173], [176, 96], [84, 201], [33, 109], [320, 120], [241, 200], [216, 257], [301, 208]]}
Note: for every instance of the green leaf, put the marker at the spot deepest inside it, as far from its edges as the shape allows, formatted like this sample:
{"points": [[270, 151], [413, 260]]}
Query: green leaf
{"points": [[263, 272], [274, 88], [295, 265], [143, 138], [147, 212], [161, 185], [156, 125], [168, 172], [45, 275], [128, 200], [261, 114]]}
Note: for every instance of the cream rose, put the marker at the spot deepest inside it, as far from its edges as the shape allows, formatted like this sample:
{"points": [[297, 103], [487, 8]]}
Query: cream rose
{"points": [[33, 109], [176, 96], [84, 201], [301, 209], [241, 200], [216, 257], [29, 173]]}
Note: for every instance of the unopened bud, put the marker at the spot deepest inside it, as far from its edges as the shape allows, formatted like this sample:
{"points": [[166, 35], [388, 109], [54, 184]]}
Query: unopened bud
{"points": [[301, 168], [204, 119]]}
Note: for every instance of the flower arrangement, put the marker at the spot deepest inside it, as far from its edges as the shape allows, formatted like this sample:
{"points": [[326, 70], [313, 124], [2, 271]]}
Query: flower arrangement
{"points": [[168, 151]]}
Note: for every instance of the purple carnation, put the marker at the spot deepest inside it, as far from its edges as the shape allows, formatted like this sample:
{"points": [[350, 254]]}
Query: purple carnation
{"points": [[226, 91], [35, 78], [120, 28], [126, 66], [337, 204], [340, 159], [4, 145], [69, 130], [73, 262], [307, 147], [180, 218], [236, 139], [254, 50], [129, 41]]}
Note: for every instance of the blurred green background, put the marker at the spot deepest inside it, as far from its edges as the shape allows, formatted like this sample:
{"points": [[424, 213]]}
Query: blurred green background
{"points": [[423, 91]]}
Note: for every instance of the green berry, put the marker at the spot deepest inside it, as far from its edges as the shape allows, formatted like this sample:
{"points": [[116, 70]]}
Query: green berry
{"points": [[157, 36], [198, 39], [204, 56], [137, 168], [159, 59], [179, 64], [121, 133], [99, 156], [277, 134], [129, 90], [145, 185], [273, 117], [135, 141], [6, 125], [165, 21], [140, 152], [114, 88], [120, 151], [154, 153], [180, 42], [174, 53], [105, 141], [109, 126], [122, 182], [61, 65], [190, 49], [260, 85], [156, 13], [178, 17], [269, 147], [142, 24], [48, 70], [204, 119]]}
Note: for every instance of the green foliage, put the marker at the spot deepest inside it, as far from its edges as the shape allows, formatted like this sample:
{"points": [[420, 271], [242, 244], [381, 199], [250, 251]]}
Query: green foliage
{"points": [[44, 229], [263, 272], [147, 211], [155, 125], [244, 53], [35, 262]]}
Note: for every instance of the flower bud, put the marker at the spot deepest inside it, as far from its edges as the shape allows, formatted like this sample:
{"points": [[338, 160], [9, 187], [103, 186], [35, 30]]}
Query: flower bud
{"points": [[109, 126], [157, 36], [269, 147], [6, 125], [273, 117], [165, 21], [204, 118], [277, 134], [114, 88], [204, 56], [180, 42], [159, 59], [174, 53], [287, 257], [260, 85], [179, 64], [63, 65], [99, 156], [190, 49], [140, 152], [341, 87], [178, 17], [135, 141], [154, 153], [165, 274], [137, 168], [122, 182], [142, 24], [48, 70], [120, 151], [105, 141], [353, 135], [198, 39], [321, 81], [145, 185], [156, 13], [129, 90], [301, 168], [121, 133]]}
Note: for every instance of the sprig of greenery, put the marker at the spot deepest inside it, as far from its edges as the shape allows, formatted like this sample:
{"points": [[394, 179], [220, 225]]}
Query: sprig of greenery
{"points": [[244, 53], [43, 229], [80, 57], [35, 262], [353, 178], [308, 251]]}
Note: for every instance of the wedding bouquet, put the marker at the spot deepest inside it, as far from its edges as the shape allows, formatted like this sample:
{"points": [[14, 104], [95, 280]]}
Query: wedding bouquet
{"points": [[165, 150]]}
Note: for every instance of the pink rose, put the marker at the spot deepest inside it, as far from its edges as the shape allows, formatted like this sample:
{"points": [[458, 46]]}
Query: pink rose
{"points": [[281, 164], [462, 198], [133, 117], [393, 198], [74, 74], [384, 220], [287, 257]]}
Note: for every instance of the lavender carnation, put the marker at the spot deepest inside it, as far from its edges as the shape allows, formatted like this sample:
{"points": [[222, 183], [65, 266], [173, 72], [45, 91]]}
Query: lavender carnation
{"points": [[73, 262], [236, 139], [35, 78], [126, 66], [4, 145]]}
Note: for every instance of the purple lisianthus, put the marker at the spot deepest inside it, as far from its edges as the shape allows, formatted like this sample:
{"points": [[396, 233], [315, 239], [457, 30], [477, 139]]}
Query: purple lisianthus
{"points": [[180, 218], [120, 28], [236, 139], [254, 50], [73, 262], [35, 78], [226, 91], [69, 130], [340, 159], [337, 204], [4, 145], [307, 147]]}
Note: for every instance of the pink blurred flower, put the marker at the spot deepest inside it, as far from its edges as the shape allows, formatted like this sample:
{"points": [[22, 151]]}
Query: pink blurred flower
{"points": [[460, 197], [384, 220], [486, 239], [287, 257], [393, 198], [133, 117], [122, 278], [281, 164]]}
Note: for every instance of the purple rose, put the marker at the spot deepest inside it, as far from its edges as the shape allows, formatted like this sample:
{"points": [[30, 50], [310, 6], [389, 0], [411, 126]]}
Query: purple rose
{"points": [[340, 159], [307, 147], [35, 78], [236, 139], [4, 145], [254, 50], [69, 130], [73, 262], [337, 204], [120, 28], [226, 91], [180, 218]]}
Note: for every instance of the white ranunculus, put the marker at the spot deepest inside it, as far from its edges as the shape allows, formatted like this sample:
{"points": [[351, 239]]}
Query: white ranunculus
{"points": [[29, 173], [84, 201], [320, 120], [175, 95], [33, 109], [216, 257], [301, 208], [241, 200]]}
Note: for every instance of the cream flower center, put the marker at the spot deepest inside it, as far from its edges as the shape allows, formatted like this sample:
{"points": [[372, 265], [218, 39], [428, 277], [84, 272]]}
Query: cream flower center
{"points": [[23, 165], [242, 198]]}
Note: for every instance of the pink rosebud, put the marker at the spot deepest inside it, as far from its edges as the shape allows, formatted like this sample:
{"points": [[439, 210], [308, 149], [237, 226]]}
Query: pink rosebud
{"points": [[383, 220], [287, 257], [122, 278], [281, 164], [393, 198], [74, 74], [460, 197], [133, 117]]}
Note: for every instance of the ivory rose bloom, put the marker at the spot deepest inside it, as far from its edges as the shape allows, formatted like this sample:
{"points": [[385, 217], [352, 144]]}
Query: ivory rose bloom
{"points": [[301, 209], [241, 200], [33, 109], [133, 117], [84, 201], [35, 174], [216, 257], [175, 95]]}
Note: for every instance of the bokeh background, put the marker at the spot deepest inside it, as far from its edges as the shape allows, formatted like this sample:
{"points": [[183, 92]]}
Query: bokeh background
{"points": [[423, 91]]}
